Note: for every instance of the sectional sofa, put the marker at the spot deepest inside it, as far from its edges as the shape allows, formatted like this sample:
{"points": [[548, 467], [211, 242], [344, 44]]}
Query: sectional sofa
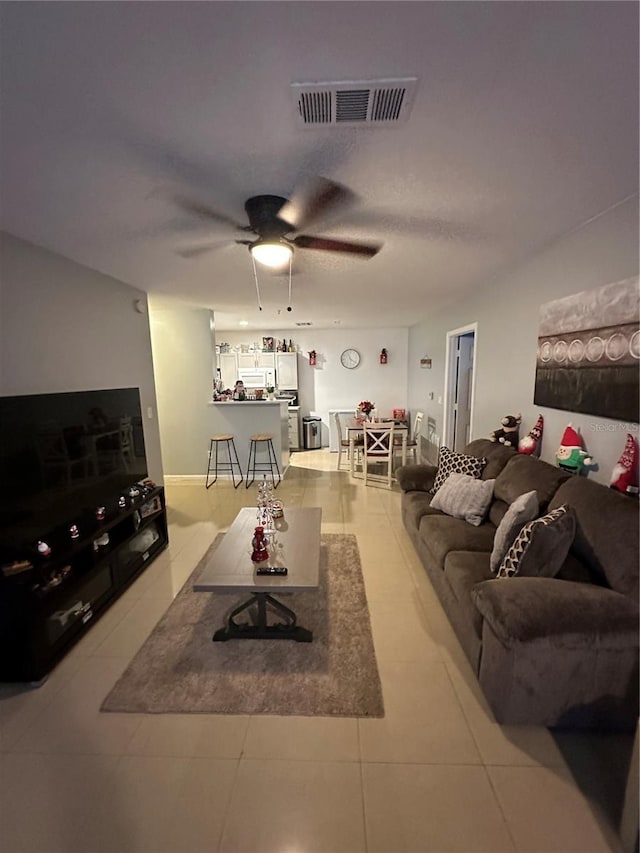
{"points": [[557, 651]]}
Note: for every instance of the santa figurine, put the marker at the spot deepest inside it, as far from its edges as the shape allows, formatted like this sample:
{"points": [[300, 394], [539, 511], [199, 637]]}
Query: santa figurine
{"points": [[571, 455], [259, 545], [530, 444], [624, 476]]}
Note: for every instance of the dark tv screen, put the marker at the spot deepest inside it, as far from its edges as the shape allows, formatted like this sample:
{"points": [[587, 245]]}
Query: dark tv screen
{"points": [[62, 455]]}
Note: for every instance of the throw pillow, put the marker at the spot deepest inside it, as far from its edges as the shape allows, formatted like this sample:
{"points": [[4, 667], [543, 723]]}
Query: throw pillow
{"points": [[464, 497], [452, 462], [523, 509], [541, 547]]}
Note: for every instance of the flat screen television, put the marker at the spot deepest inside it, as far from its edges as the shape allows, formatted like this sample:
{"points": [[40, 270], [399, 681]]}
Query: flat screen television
{"points": [[63, 455]]}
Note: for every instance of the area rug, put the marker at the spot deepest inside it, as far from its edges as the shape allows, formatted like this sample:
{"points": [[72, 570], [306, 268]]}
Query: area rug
{"points": [[180, 670]]}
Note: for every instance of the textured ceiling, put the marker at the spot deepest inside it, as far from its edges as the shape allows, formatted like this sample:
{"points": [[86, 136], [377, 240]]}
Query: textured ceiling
{"points": [[524, 125]]}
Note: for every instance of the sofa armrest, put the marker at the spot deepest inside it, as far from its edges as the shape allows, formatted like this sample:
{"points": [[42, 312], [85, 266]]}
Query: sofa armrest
{"points": [[524, 609], [416, 478]]}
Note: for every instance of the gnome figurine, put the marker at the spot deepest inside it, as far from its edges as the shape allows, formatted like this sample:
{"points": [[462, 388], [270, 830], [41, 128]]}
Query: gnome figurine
{"points": [[624, 476], [571, 455], [530, 444]]}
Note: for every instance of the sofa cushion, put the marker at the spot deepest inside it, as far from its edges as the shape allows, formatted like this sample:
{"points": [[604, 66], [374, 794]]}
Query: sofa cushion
{"points": [[416, 477], [606, 537], [545, 607], [497, 511], [523, 473], [463, 570], [522, 510], [441, 534], [496, 454], [541, 547], [450, 462], [461, 496], [415, 505]]}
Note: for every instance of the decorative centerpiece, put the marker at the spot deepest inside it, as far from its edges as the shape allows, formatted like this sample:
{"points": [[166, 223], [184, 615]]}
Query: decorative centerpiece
{"points": [[270, 392], [265, 506], [259, 545], [366, 407]]}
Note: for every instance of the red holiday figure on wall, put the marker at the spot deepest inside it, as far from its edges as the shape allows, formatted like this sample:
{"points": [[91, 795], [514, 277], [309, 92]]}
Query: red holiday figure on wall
{"points": [[383, 356], [530, 444], [624, 476], [259, 545], [312, 358]]}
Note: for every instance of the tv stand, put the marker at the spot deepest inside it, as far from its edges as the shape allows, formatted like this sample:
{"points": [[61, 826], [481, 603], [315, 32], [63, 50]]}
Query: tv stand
{"points": [[45, 610]]}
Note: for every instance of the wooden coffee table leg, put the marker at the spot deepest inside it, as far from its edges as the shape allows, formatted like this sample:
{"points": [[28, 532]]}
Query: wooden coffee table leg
{"points": [[289, 630]]}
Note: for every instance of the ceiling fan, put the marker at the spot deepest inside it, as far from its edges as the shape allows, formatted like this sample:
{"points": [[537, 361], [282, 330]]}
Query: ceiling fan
{"points": [[275, 221]]}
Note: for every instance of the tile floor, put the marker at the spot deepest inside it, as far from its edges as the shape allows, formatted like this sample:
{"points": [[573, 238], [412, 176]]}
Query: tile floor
{"points": [[435, 774]]}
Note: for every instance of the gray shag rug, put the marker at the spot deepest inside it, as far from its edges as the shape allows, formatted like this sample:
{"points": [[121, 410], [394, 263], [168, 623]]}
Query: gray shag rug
{"points": [[179, 670]]}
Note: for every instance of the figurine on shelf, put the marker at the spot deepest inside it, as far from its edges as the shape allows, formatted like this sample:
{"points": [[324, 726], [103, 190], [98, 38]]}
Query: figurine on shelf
{"points": [[74, 532], [101, 512], [43, 548], [122, 502], [259, 546]]}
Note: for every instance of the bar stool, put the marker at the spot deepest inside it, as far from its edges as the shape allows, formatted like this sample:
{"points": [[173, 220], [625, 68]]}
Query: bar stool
{"points": [[270, 465], [222, 467]]}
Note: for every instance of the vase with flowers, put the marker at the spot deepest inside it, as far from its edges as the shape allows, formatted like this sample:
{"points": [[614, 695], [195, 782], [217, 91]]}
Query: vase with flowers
{"points": [[366, 407]]}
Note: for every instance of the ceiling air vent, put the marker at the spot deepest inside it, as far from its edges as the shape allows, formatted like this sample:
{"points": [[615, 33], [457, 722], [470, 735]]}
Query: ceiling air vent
{"points": [[354, 102]]}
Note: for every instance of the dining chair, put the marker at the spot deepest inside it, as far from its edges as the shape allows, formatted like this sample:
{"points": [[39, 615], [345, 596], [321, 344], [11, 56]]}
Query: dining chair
{"points": [[343, 443], [378, 448], [413, 443]]}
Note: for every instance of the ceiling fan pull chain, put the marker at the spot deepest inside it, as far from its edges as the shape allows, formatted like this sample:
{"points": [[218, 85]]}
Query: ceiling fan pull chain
{"points": [[255, 276], [289, 305]]}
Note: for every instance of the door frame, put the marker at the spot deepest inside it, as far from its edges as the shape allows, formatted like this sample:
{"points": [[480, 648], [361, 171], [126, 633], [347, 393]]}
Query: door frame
{"points": [[450, 379]]}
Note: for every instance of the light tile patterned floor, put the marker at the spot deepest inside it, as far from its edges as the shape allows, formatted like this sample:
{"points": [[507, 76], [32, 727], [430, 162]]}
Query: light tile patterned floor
{"points": [[436, 774]]}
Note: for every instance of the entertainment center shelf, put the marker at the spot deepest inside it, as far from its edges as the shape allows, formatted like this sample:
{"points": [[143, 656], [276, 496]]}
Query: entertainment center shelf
{"points": [[46, 609]]}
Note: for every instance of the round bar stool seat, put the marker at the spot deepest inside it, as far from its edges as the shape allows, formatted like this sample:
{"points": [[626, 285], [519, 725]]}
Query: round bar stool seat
{"points": [[222, 466], [268, 466]]}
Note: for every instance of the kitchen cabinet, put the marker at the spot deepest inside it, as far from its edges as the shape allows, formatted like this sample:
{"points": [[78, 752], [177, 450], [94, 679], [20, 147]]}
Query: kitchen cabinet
{"points": [[263, 360], [286, 369], [228, 364]]}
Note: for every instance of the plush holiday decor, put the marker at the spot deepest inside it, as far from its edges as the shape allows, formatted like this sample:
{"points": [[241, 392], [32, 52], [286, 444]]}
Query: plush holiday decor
{"points": [[571, 455], [508, 434], [624, 476], [530, 444]]}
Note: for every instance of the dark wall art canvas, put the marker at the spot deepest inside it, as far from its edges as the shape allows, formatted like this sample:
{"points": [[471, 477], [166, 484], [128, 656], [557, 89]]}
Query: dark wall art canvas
{"points": [[589, 352]]}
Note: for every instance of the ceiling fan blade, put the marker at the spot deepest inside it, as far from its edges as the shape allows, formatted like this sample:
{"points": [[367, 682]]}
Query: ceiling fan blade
{"points": [[313, 199], [325, 244], [196, 208], [194, 251]]}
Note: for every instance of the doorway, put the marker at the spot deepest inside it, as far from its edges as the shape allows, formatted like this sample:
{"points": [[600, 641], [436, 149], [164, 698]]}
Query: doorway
{"points": [[459, 386]]}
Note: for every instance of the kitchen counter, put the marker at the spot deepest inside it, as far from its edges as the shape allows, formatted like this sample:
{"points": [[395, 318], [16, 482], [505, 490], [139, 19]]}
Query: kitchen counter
{"points": [[242, 420]]}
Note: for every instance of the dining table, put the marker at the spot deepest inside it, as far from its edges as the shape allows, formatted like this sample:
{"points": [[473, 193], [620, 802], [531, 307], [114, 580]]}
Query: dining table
{"points": [[355, 430]]}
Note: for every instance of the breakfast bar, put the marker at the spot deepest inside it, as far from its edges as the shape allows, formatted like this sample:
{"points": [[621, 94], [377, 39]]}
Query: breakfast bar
{"points": [[244, 418]]}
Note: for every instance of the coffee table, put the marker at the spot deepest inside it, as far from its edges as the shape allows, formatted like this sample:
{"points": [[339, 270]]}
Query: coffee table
{"points": [[296, 545]]}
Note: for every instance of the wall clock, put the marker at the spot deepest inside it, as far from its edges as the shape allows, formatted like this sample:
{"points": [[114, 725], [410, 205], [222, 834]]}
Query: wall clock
{"points": [[350, 358]]}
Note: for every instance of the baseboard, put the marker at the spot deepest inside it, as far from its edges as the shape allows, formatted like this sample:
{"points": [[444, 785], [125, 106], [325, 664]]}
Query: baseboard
{"points": [[184, 479]]}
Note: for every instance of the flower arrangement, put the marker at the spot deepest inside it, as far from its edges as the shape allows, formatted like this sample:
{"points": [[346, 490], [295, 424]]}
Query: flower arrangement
{"points": [[366, 406]]}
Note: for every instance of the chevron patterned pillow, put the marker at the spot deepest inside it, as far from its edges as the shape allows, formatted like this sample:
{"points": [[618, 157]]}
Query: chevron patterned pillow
{"points": [[452, 462], [541, 547]]}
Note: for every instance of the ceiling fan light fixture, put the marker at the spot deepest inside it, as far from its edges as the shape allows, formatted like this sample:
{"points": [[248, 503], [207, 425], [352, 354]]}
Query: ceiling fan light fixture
{"points": [[271, 253]]}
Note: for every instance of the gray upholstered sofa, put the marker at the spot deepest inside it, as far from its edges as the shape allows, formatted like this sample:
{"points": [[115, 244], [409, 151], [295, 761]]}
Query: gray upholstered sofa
{"points": [[561, 651]]}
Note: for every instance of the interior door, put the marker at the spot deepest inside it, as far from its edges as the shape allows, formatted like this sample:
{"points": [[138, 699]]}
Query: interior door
{"points": [[464, 383]]}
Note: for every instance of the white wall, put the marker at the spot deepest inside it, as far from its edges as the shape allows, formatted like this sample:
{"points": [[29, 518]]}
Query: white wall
{"points": [[183, 355], [605, 250], [328, 385], [65, 327]]}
